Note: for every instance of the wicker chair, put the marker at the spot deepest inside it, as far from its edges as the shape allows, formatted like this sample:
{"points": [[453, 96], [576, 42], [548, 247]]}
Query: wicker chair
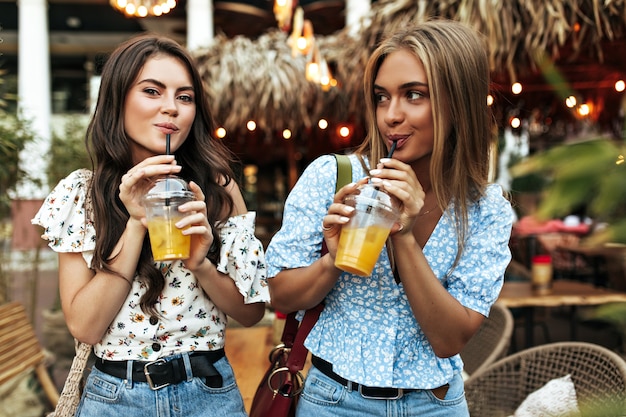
{"points": [[491, 341], [20, 350], [598, 374]]}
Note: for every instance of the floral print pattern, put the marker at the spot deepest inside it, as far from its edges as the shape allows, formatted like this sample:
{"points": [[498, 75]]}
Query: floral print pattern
{"points": [[188, 319], [367, 329]]}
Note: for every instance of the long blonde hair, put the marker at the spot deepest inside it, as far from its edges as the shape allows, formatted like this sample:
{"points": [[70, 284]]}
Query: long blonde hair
{"points": [[457, 69]]}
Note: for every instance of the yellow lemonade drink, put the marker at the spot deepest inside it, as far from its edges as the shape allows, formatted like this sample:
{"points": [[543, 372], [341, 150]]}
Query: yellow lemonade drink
{"points": [[161, 203], [359, 248], [167, 240]]}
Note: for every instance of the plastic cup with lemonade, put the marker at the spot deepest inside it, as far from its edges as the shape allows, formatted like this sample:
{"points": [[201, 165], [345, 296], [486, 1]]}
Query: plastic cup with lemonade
{"points": [[363, 237], [161, 203]]}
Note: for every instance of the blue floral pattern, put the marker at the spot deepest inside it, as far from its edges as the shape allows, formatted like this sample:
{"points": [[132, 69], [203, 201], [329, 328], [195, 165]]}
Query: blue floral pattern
{"points": [[367, 329], [189, 319]]}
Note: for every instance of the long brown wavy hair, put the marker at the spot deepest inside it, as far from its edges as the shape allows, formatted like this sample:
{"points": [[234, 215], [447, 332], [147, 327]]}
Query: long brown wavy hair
{"points": [[204, 160], [457, 69]]}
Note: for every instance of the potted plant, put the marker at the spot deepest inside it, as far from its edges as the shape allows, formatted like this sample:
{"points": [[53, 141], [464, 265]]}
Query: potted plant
{"points": [[15, 133], [587, 173]]}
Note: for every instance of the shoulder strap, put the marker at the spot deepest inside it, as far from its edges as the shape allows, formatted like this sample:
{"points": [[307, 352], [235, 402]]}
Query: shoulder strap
{"points": [[295, 332], [344, 176], [344, 171]]}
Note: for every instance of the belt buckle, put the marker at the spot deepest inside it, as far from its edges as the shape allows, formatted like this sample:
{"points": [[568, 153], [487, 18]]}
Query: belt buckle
{"points": [[399, 394], [146, 372]]}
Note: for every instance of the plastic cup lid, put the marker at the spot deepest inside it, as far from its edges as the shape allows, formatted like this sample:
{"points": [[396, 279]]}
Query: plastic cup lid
{"points": [[168, 188], [370, 195]]}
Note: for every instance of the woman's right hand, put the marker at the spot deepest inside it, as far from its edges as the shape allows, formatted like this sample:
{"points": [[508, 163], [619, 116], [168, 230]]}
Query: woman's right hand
{"points": [[138, 180], [338, 215]]}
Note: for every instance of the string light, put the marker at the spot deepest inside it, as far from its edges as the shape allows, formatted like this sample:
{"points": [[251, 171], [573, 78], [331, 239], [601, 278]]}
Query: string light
{"points": [[290, 16], [317, 70], [570, 102], [312, 72], [143, 8], [301, 39], [220, 132], [584, 109], [283, 11], [344, 131]]}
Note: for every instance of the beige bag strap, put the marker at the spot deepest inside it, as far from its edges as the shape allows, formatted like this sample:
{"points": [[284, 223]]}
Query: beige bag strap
{"points": [[70, 395]]}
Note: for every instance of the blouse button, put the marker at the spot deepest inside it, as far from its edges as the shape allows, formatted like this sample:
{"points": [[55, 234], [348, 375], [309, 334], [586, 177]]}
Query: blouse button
{"points": [[156, 347], [153, 320]]}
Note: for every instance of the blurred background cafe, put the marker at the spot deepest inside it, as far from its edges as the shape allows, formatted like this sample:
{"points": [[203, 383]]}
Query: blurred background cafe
{"points": [[284, 80], [286, 91], [285, 84]]}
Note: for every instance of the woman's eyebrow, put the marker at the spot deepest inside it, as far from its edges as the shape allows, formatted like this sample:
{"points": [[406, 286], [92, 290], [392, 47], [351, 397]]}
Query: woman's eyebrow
{"points": [[161, 85], [411, 84], [152, 81]]}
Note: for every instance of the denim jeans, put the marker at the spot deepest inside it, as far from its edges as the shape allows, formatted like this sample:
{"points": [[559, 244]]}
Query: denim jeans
{"points": [[323, 396], [107, 396]]}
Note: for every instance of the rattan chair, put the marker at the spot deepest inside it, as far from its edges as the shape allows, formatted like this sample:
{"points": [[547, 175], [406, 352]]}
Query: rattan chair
{"points": [[598, 374], [491, 342], [20, 350]]}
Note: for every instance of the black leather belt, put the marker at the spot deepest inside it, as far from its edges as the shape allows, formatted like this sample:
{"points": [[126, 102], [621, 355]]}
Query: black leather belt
{"points": [[161, 373], [366, 392]]}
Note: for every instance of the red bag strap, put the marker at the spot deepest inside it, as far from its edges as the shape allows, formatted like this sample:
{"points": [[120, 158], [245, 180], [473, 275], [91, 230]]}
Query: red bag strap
{"points": [[298, 354]]}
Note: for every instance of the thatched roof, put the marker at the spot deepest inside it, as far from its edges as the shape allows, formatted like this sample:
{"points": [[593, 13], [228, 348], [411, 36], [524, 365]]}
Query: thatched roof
{"points": [[260, 80]]}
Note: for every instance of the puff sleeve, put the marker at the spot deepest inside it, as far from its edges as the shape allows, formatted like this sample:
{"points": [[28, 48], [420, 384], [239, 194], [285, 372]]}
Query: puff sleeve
{"points": [[243, 259], [63, 216]]}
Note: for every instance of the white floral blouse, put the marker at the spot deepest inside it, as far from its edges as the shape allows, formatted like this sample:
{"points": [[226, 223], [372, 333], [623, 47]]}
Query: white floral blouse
{"points": [[189, 320]]}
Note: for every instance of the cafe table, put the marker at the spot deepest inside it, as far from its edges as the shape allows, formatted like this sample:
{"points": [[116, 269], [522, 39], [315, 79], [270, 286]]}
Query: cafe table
{"points": [[598, 256], [520, 294]]}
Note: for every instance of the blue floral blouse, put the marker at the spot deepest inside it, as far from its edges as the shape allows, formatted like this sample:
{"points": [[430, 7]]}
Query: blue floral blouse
{"points": [[367, 329], [189, 320]]}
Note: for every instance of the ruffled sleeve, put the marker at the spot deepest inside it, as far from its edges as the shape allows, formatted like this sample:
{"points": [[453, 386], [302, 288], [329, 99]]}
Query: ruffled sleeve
{"points": [[243, 259], [63, 217]]}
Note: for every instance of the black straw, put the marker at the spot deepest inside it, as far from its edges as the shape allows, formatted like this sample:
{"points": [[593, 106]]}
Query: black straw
{"points": [[392, 149], [167, 152]]}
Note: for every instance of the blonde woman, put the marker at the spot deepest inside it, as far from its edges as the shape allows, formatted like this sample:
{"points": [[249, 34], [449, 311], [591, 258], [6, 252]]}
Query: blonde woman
{"points": [[389, 344]]}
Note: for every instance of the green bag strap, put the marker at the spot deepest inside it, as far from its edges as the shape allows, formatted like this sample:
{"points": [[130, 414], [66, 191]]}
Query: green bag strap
{"points": [[344, 171], [291, 332], [344, 177]]}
